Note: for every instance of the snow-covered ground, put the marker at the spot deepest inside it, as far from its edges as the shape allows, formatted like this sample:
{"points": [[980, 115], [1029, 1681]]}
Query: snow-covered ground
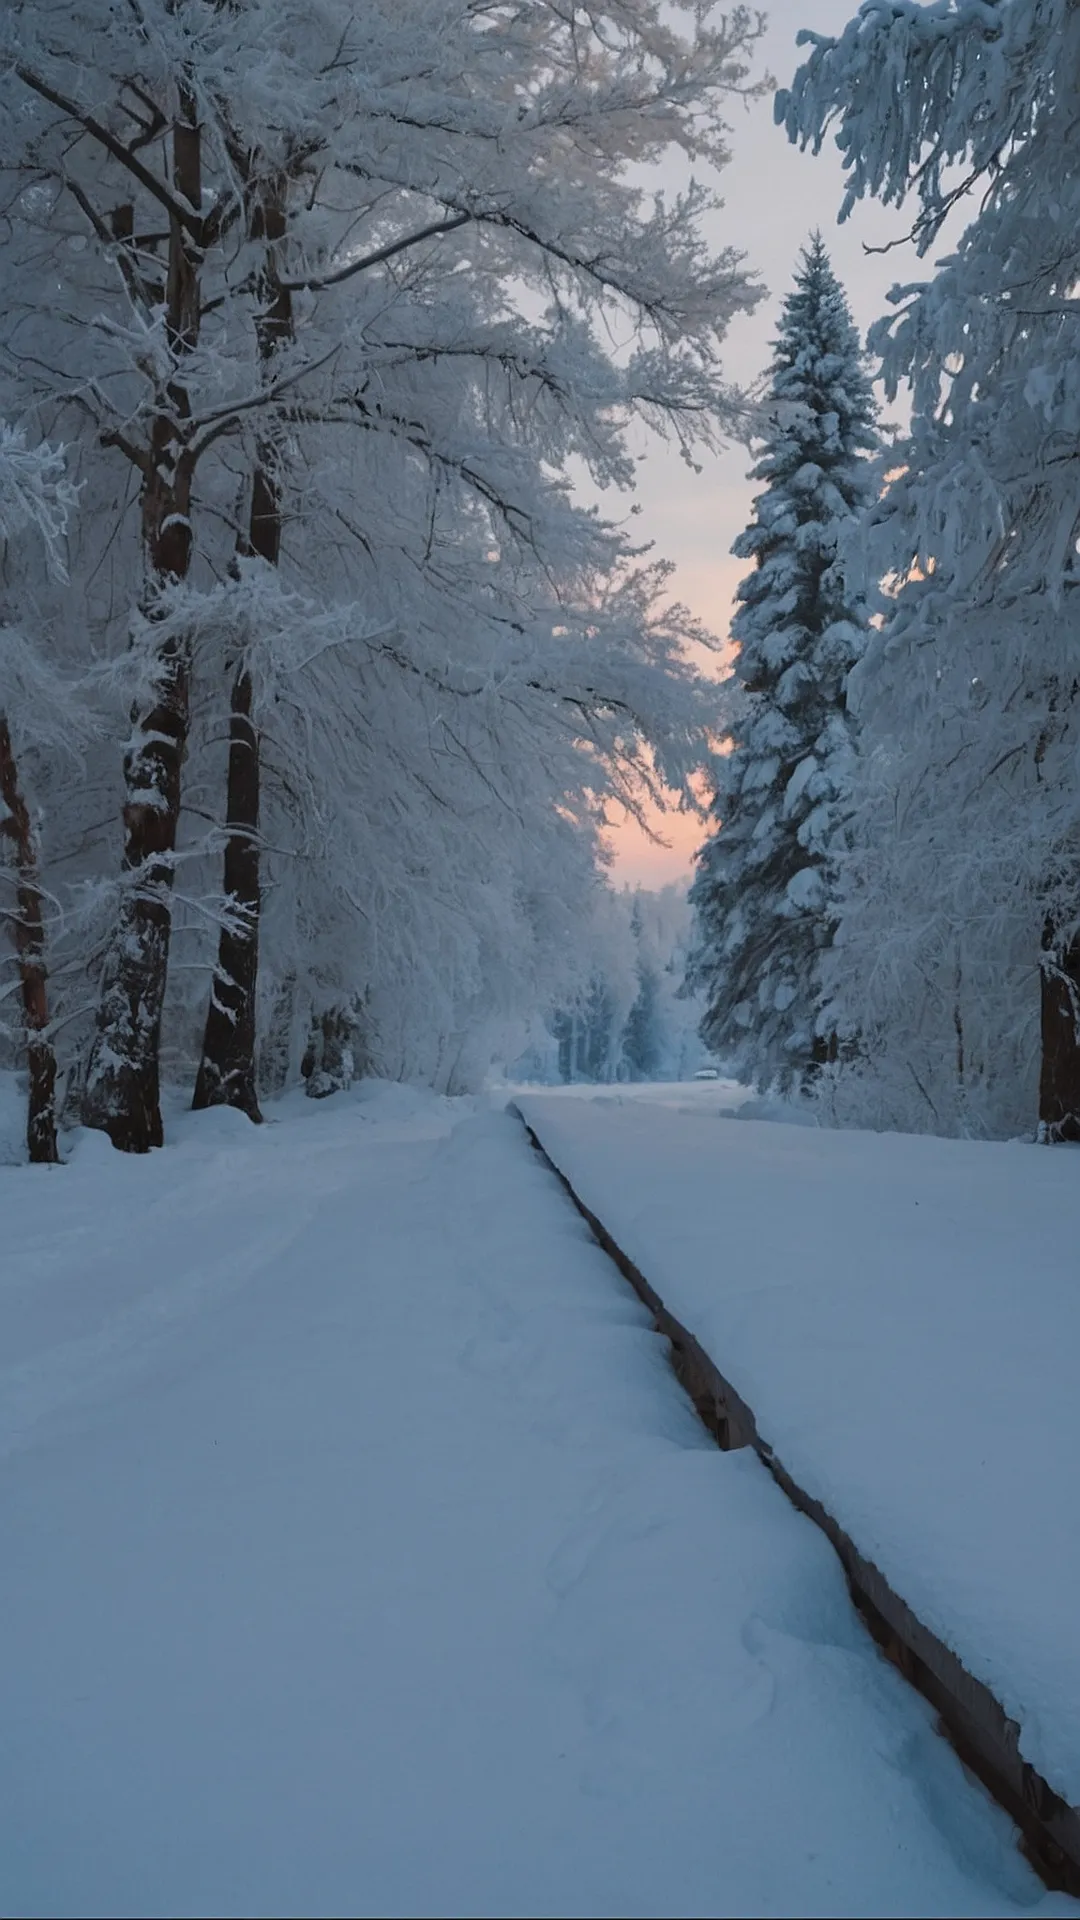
{"points": [[361, 1556], [902, 1314]]}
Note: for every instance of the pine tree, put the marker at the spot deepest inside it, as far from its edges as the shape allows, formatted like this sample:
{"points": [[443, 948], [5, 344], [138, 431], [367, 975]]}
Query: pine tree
{"points": [[642, 1041], [761, 895], [960, 902]]}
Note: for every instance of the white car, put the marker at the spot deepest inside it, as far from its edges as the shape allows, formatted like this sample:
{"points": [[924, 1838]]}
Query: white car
{"points": [[707, 1073]]}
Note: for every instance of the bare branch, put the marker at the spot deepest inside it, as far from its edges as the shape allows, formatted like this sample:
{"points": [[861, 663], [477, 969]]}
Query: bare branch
{"points": [[314, 283], [193, 222]]}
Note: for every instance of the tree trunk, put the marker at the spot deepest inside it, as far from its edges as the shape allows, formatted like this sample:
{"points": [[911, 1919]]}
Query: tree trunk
{"points": [[29, 925], [227, 1074], [123, 1094], [1059, 1078], [329, 1064], [123, 1086]]}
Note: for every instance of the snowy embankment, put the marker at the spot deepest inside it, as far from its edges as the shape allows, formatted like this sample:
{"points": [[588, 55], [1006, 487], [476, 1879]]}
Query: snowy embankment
{"points": [[902, 1315], [362, 1556]]}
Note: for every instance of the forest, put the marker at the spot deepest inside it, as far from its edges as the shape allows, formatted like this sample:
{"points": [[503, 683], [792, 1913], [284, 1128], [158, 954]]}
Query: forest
{"points": [[322, 669], [317, 677], [890, 916]]}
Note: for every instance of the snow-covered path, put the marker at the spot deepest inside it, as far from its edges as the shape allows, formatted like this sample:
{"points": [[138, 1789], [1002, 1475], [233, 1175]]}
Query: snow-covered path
{"points": [[362, 1556]]}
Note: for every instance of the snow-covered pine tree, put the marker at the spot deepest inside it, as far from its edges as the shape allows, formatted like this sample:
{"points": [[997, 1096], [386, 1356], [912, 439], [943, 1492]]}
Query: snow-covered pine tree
{"points": [[960, 903], [641, 1046], [761, 895]]}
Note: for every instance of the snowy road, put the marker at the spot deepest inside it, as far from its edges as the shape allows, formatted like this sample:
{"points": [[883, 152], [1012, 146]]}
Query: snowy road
{"points": [[362, 1556]]}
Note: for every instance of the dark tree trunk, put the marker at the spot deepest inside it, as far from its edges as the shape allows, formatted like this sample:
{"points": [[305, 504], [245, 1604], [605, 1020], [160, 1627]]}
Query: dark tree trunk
{"points": [[123, 1094], [824, 1052], [123, 1088], [29, 926], [329, 1064], [1059, 1078], [226, 1074]]}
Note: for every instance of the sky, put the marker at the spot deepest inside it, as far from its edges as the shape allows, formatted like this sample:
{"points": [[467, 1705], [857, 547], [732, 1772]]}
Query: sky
{"points": [[774, 197]]}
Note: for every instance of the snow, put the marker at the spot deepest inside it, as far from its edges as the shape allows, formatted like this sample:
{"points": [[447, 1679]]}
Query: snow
{"points": [[902, 1315], [362, 1556]]}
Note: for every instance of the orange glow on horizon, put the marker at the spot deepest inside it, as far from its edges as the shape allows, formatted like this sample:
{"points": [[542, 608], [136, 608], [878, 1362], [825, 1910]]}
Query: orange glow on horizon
{"points": [[709, 590], [640, 862]]}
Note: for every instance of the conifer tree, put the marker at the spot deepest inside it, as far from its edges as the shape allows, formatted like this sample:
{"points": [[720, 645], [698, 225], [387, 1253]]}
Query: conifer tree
{"points": [[960, 902], [761, 896]]}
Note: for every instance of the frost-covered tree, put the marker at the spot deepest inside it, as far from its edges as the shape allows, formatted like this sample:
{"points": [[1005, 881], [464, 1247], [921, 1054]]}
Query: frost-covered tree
{"points": [[958, 955], [322, 301], [660, 1039], [37, 713], [762, 891], [642, 1045], [629, 1018]]}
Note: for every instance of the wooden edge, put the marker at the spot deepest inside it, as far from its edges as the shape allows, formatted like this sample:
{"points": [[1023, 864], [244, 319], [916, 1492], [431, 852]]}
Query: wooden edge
{"points": [[969, 1714]]}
